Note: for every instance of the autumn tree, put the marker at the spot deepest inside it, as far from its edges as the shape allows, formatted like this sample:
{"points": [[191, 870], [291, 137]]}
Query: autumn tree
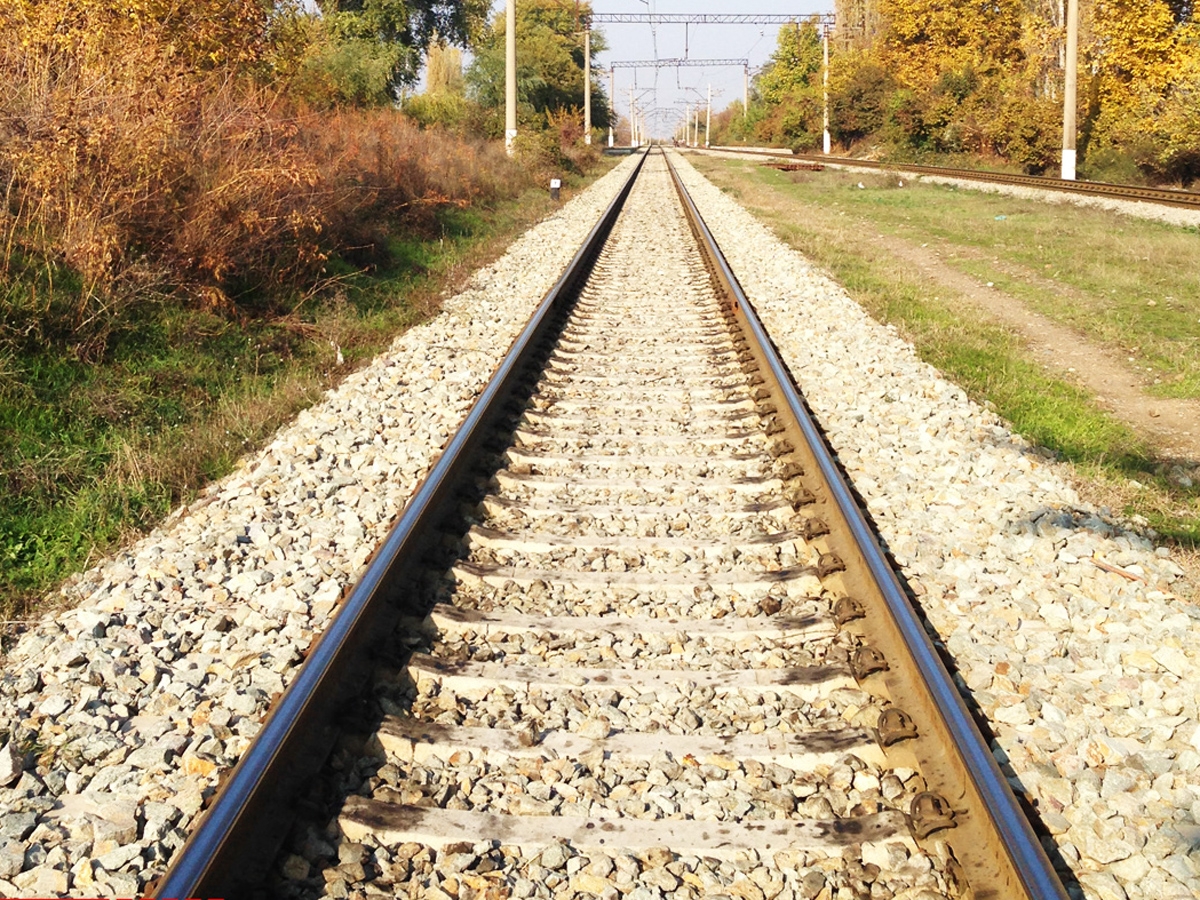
{"points": [[789, 89], [444, 101], [986, 77], [443, 69]]}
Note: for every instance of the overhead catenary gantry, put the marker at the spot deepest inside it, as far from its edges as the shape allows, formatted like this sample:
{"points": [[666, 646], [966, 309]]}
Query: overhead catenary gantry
{"points": [[826, 19], [679, 62], [674, 62]]}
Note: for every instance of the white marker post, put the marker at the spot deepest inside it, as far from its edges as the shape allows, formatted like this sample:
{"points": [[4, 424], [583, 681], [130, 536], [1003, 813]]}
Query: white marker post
{"points": [[1072, 64]]}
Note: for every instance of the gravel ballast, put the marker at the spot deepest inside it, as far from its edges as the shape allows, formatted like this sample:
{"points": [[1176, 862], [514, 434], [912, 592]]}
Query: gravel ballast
{"points": [[119, 715], [1087, 676], [122, 713]]}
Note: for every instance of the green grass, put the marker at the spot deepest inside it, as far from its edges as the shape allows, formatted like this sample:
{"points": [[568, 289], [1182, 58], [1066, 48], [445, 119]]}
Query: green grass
{"points": [[96, 450], [823, 217], [1128, 282]]}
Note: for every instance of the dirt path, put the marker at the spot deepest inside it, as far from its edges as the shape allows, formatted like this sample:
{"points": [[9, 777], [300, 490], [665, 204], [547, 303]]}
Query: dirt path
{"points": [[1172, 425]]}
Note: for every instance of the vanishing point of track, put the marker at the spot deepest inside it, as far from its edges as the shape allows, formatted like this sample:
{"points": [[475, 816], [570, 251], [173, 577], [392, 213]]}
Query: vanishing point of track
{"points": [[663, 652]]}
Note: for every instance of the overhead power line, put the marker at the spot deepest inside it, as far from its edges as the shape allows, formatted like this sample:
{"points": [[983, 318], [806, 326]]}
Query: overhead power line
{"points": [[673, 63], [708, 18]]}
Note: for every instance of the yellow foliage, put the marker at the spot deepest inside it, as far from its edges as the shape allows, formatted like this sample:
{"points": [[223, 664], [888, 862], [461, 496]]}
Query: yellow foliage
{"points": [[924, 38]]}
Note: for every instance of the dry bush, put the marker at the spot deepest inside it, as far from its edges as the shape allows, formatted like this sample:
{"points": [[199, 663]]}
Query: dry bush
{"points": [[129, 164]]}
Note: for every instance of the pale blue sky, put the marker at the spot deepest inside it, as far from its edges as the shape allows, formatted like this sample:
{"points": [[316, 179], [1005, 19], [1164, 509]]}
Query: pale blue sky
{"points": [[665, 90]]}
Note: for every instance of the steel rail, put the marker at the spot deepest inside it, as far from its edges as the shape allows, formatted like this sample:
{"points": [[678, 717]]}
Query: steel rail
{"points": [[228, 852], [1165, 196], [1033, 869]]}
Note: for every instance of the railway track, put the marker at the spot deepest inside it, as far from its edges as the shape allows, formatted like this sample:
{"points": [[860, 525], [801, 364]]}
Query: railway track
{"points": [[1164, 196], [663, 655]]}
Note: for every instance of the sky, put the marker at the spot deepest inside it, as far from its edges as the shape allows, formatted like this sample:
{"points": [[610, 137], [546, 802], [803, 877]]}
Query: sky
{"points": [[664, 92]]}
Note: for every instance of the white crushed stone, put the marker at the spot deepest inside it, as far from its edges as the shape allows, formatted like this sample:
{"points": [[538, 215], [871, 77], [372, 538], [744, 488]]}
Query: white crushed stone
{"points": [[1087, 677], [118, 716]]}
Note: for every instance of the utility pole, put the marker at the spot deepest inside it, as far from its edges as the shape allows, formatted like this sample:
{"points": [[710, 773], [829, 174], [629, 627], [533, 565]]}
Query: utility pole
{"points": [[825, 86], [587, 85], [1072, 66], [612, 103], [632, 120], [708, 117], [745, 91], [510, 75]]}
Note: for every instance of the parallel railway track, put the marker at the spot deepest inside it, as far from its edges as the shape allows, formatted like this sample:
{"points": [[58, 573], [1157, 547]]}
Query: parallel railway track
{"points": [[667, 658], [1164, 196]]}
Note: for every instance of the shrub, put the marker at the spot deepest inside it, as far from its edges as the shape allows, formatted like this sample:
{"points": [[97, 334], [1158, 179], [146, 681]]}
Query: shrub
{"points": [[127, 170], [858, 100], [1028, 131], [1114, 164]]}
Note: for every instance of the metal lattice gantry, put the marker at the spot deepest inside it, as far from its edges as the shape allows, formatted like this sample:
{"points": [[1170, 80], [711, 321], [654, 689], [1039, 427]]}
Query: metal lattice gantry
{"points": [[826, 19], [675, 62]]}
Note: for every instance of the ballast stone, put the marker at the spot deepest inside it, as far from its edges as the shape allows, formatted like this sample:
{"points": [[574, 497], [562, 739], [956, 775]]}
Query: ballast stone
{"points": [[185, 636], [1080, 670]]}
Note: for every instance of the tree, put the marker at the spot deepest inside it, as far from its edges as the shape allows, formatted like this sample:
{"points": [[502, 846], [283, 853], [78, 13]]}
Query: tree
{"points": [[925, 38], [859, 89], [794, 65], [443, 69], [374, 47], [444, 101], [549, 64]]}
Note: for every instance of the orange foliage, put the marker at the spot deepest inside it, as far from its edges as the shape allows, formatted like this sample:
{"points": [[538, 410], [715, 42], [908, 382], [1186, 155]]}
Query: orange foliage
{"points": [[135, 148]]}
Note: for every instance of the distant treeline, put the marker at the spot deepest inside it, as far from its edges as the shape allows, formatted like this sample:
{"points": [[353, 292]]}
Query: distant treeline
{"points": [[914, 78]]}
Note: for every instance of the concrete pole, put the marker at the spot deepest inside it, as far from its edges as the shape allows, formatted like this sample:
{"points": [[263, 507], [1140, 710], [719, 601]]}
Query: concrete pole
{"points": [[612, 105], [632, 120], [1072, 66], [825, 85], [587, 86], [745, 91], [708, 116], [510, 75]]}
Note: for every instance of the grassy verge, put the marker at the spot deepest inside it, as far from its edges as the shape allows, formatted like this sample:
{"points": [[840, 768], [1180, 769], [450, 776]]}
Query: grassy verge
{"points": [[823, 215], [93, 452]]}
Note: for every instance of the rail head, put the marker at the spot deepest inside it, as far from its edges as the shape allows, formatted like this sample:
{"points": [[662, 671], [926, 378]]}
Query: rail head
{"points": [[229, 850], [1028, 867]]}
